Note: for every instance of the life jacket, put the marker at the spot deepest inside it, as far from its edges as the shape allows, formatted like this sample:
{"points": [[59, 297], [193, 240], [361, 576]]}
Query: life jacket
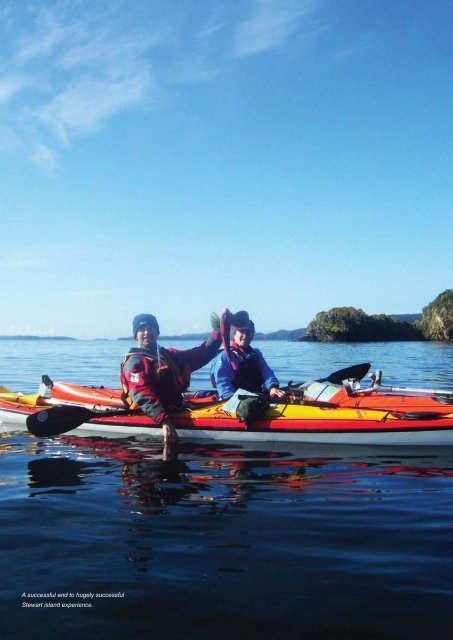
{"points": [[172, 379], [249, 375]]}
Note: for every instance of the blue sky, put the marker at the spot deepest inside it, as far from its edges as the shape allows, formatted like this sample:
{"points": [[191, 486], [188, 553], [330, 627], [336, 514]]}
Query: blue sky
{"points": [[179, 156]]}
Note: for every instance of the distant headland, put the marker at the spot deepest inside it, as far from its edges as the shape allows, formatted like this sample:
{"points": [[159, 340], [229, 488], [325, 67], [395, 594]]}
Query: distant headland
{"points": [[291, 335], [36, 338], [347, 324], [344, 324]]}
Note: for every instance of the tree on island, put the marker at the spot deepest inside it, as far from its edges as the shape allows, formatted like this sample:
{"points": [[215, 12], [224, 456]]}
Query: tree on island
{"points": [[437, 319], [347, 324]]}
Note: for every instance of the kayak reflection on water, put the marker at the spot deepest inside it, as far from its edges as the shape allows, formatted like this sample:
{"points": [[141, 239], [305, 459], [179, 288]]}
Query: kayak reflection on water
{"points": [[219, 477]]}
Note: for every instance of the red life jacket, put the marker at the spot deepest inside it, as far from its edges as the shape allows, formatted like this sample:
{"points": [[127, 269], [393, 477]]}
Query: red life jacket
{"points": [[171, 379]]}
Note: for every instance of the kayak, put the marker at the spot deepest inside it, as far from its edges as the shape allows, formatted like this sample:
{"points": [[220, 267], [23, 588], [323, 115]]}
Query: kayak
{"points": [[316, 392], [319, 424], [66, 392], [375, 398]]}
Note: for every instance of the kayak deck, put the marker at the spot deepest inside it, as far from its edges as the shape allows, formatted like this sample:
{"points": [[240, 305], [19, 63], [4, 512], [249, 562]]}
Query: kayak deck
{"points": [[94, 397], [371, 399], [286, 422]]}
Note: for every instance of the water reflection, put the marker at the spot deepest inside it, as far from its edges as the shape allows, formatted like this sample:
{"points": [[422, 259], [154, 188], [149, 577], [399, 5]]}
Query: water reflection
{"points": [[60, 475], [219, 478]]}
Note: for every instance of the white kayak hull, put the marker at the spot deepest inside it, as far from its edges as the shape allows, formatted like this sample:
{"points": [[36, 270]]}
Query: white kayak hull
{"points": [[430, 437]]}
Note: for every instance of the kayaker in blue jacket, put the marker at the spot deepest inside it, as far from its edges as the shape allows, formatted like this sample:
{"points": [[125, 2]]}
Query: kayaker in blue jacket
{"points": [[247, 369]]}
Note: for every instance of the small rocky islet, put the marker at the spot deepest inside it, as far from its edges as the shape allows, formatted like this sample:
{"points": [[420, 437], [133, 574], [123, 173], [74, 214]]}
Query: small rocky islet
{"points": [[348, 324]]}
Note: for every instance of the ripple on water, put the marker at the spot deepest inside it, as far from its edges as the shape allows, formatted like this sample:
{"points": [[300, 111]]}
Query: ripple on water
{"points": [[228, 540]]}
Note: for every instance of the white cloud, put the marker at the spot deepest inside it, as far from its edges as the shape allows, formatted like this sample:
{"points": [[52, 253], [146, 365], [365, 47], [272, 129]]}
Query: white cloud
{"points": [[270, 26], [79, 68], [44, 157], [88, 293], [69, 66], [9, 139], [22, 258], [197, 327], [193, 69], [85, 105], [10, 86], [44, 36], [27, 330]]}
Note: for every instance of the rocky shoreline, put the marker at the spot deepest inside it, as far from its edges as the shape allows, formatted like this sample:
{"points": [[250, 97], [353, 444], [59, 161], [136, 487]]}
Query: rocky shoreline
{"points": [[347, 324]]}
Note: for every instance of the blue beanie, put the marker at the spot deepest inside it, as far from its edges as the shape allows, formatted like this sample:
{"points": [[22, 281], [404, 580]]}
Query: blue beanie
{"points": [[240, 321], [247, 326], [144, 319]]}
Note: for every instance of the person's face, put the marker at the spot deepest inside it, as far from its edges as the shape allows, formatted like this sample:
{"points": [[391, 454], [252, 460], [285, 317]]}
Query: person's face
{"points": [[243, 337], [147, 336]]}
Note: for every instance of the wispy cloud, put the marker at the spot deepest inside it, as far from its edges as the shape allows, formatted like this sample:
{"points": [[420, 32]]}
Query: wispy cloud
{"points": [[43, 36], [195, 328], [70, 71], [67, 66], [88, 293], [50, 255], [44, 157], [27, 330], [270, 25], [22, 258], [10, 86], [88, 102]]}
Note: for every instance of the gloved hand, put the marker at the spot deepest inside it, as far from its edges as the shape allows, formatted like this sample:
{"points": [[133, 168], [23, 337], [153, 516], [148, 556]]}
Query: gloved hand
{"points": [[251, 407], [215, 321]]}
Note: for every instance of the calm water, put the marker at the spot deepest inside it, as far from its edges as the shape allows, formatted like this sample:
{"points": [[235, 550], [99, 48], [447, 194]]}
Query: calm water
{"points": [[225, 541]]}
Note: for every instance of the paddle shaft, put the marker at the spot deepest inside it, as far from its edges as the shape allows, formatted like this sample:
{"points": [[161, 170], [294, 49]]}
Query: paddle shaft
{"points": [[386, 389]]}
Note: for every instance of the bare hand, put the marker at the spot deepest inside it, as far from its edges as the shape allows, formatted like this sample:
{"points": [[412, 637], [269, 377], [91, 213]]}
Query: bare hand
{"points": [[277, 393], [169, 453], [169, 432]]}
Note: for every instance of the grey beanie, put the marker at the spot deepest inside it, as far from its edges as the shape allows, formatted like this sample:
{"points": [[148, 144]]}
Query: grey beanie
{"points": [[144, 319]]}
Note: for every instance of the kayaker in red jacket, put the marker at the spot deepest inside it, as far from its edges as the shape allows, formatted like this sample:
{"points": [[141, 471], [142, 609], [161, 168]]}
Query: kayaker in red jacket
{"points": [[154, 378]]}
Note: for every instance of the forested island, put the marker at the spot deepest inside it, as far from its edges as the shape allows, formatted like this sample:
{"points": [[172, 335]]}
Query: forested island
{"points": [[347, 324]]}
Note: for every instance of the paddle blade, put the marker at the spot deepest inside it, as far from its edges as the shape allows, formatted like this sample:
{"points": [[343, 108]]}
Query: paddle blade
{"points": [[417, 415], [356, 371], [57, 420]]}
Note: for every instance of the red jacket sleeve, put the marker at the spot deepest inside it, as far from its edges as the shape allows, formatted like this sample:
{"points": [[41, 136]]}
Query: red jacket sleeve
{"points": [[197, 357], [140, 378]]}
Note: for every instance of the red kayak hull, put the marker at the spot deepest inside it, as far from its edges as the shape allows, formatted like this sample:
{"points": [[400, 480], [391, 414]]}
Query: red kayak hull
{"points": [[104, 397], [292, 423]]}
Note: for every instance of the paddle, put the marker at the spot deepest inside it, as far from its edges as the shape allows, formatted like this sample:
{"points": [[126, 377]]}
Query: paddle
{"points": [[60, 419], [417, 415], [355, 372], [440, 393]]}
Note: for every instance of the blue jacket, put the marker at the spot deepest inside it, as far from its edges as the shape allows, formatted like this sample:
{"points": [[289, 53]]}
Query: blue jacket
{"points": [[226, 379]]}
